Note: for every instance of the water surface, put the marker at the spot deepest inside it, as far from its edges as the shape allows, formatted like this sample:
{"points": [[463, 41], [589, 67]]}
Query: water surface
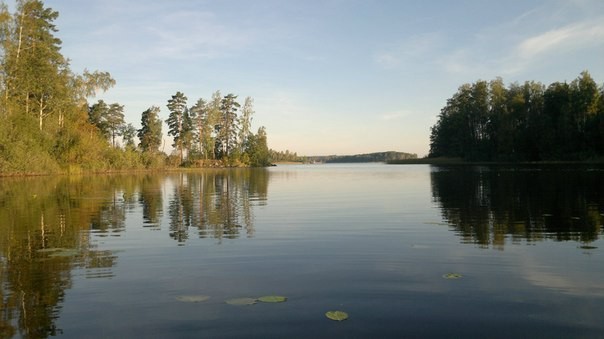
{"points": [[112, 256]]}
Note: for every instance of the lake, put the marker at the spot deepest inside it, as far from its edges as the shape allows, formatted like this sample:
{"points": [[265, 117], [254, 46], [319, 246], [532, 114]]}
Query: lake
{"points": [[405, 251]]}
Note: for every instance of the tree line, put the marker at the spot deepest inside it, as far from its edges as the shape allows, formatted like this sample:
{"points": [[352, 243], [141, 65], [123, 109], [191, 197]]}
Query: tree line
{"points": [[522, 122], [47, 124], [210, 132]]}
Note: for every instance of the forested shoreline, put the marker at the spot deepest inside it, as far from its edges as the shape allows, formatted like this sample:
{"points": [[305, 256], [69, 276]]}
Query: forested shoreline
{"points": [[47, 124], [487, 121]]}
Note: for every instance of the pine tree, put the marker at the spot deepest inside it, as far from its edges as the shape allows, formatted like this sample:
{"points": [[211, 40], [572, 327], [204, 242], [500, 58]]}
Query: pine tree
{"points": [[97, 115], [198, 114], [115, 120], [176, 121], [226, 135]]}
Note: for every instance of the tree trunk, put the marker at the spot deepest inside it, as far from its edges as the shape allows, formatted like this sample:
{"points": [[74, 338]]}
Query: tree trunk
{"points": [[41, 112], [20, 37]]}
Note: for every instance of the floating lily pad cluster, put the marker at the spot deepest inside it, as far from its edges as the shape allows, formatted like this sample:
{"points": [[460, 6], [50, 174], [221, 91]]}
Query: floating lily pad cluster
{"points": [[251, 301], [234, 301], [246, 301]]}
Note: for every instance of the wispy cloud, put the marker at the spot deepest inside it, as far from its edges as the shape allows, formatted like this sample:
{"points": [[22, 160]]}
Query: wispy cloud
{"points": [[157, 33], [565, 39], [532, 38], [184, 35]]}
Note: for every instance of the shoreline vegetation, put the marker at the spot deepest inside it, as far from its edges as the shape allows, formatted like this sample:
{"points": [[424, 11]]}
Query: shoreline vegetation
{"points": [[48, 125], [529, 122]]}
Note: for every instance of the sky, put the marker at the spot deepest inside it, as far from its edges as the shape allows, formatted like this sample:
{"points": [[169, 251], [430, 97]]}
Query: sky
{"points": [[328, 76]]}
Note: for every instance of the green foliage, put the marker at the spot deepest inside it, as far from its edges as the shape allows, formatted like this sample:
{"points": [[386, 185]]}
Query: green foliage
{"points": [[211, 131], [47, 125], [257, 149], [179, 122], [44, 127], [200, 128], [23, 149], [115, 120], [153, 160], [528, 122], [150, 134], [277, 156], [97, 116], [226, 130], [245, 123], [128, 132]]}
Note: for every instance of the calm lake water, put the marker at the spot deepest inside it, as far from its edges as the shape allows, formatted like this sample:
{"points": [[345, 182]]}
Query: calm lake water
{"points": [[124, 255]]}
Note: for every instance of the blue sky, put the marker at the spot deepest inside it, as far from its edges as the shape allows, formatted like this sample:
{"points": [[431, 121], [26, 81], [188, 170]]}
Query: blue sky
{"points": [[329, 76]]}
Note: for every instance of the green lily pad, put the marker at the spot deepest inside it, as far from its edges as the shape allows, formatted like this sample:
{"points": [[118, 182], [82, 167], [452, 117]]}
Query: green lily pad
{"points": [[242, 301], [192, 298], [336, 315], [272, 299], [452, 276]]}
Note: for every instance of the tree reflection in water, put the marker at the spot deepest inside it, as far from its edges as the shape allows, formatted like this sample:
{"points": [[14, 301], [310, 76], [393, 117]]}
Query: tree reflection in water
{"points": [[48, 228], [487, 205], [217, 203], [44, 235]]}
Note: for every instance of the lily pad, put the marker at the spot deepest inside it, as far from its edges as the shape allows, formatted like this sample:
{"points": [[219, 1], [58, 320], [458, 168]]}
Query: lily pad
{"points": [[336, 315], [272, 299], [192, 298], [242, 301], [452, 276]]}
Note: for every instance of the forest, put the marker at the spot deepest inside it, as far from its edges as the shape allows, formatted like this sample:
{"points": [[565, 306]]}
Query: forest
{"points": [[47, 124], [487, 121]]}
